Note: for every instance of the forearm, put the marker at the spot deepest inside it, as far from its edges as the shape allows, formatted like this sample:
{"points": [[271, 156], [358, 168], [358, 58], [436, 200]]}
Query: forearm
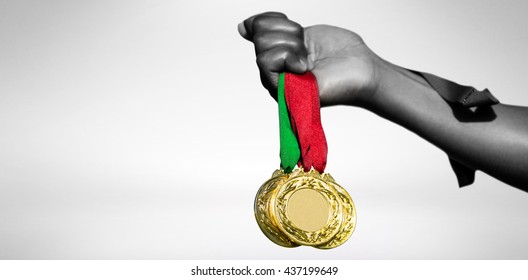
{"points": [[348, 72], [498, 145]]}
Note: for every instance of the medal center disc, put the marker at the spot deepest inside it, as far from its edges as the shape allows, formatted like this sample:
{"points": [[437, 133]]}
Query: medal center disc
{"points": [[308, 210]]}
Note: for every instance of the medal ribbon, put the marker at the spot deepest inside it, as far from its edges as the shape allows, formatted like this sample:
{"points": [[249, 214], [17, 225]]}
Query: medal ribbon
{"points": [[302, 139]]}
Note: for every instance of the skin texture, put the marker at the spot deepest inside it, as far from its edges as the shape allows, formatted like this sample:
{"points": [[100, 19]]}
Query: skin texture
{"points": [[349, 73]]}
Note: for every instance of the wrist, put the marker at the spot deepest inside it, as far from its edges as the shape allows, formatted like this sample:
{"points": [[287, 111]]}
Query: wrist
{"points": [[391, 85]]}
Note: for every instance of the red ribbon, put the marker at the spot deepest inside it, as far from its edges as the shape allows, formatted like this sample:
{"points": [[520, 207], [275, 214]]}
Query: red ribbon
{"points": [[302, 99]]}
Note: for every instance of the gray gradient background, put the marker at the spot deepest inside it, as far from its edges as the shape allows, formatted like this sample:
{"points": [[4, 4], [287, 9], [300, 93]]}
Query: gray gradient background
{"points": [[140, 130]]}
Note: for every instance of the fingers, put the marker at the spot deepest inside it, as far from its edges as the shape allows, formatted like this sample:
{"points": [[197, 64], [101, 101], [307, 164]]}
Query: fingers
{"points": [[245, 28], [279, 46], [265, 41], [277, 60]]}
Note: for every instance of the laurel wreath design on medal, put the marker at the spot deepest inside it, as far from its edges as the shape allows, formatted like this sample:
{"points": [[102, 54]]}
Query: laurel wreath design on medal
{"points": [[271, 204], [263, 215], [348, 223], [308, 180]]}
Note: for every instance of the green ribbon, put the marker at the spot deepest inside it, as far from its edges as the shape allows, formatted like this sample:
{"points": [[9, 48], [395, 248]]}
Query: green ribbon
{"points": [[289, 146]]}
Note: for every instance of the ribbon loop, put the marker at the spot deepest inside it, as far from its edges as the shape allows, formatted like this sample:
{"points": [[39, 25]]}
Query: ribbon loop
{"points": [[302, 103], [289, 147]]}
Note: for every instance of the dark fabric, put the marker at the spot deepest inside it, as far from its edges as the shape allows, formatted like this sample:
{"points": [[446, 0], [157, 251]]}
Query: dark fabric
{"points": [[464, 97], [465, 175]]}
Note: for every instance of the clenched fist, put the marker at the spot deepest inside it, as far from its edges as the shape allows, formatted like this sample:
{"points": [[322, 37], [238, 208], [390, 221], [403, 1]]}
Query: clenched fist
{"points": [[345, 68]]}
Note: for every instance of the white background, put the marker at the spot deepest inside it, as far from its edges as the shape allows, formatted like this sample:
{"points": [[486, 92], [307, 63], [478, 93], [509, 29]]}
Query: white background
{"points": [[140, 130]]}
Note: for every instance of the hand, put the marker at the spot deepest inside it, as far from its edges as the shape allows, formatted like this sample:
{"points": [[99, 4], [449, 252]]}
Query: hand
{"points": [[345, 68]]}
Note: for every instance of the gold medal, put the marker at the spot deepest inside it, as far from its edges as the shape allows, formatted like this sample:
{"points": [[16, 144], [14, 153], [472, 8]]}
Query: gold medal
{"points": [[304, 208]]}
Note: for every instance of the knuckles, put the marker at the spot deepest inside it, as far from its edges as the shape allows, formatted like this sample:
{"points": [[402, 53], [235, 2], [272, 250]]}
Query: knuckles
{"points": [[266, 23], [271, 40], [274, 60]]}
